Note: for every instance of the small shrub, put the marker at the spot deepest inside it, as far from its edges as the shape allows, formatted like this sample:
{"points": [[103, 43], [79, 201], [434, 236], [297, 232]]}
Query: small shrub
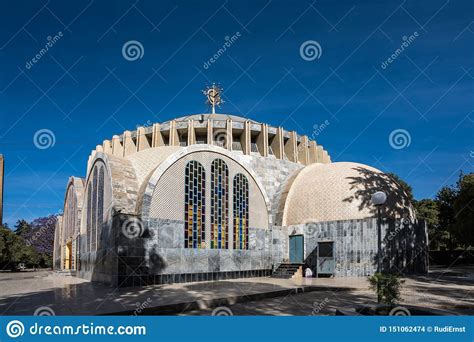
{"points": [[387, 287]]}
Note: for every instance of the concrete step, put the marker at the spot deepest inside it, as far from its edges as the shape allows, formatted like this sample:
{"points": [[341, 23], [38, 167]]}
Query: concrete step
{"points": [[286, 271], [180, 308]]}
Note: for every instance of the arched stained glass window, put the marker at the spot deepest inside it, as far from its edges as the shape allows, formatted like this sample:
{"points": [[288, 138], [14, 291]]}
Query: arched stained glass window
{"points": [[89, 218], [68, 215], [194, 206], [100, 204], [241, 211], [95, 208], [69, 228], [219, 204], [94, 212], [73, 213]]}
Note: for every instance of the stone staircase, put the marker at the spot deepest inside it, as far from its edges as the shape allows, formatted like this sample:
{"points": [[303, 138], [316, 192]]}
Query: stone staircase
{"points": [[287, 271]]}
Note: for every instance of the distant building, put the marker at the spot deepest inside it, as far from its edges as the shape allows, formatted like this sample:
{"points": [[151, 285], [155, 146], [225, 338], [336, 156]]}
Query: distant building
{"points": [[213, 196]]}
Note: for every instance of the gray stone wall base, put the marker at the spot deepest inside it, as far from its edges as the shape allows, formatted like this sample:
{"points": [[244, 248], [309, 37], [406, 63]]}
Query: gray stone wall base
{"points": [[155, 254], [404, 245]]}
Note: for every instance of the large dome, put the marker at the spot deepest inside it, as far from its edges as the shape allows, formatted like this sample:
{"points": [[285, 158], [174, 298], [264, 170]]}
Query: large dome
{"points": [[341, 191]]}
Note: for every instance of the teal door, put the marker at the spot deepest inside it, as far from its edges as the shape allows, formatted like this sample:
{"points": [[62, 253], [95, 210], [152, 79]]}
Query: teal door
{"points": [[296, 249]]}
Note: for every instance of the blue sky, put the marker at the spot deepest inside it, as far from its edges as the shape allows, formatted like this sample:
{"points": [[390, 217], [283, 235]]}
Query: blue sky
{"points": [[84, 91]]}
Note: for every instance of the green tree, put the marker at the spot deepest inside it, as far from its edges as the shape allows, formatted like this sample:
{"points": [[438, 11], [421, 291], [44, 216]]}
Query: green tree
{"points": [[445, 199], [387, 287], [13, 250], [427, 210], [463, 209], [404, 185], [11, 246], [22, 228], [450, 216]]}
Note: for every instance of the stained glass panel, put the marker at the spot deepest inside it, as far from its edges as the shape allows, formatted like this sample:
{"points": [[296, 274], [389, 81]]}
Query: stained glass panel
{"points": [[219, 204], [194, 209], [241, 211]]}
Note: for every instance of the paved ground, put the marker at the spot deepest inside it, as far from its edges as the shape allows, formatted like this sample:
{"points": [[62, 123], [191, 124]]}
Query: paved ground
{"points": [[304, 304], [453, 295], [23, 293]]}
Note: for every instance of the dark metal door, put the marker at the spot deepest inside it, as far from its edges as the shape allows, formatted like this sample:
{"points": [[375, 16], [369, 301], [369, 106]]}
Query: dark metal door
{"points": [[296, 249], [326, 262]]}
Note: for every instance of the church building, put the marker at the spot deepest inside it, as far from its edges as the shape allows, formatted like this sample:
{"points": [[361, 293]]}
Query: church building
{"points": [[216, 196]]}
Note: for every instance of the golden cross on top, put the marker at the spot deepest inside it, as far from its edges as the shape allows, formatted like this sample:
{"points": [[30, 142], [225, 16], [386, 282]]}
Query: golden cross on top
{"points": [[213, 95]]}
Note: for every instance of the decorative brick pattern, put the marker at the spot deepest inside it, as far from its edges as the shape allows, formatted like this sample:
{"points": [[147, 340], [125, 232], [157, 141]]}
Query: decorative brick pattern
{"points": [[147, 160], [341, 191]]}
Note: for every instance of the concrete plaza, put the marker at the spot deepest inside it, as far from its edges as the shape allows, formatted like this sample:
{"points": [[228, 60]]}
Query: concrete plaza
{"points": [[26, 292]]}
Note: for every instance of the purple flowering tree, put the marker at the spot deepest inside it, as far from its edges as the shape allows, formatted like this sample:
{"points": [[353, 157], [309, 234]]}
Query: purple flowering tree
{"points": [[41, 236]]}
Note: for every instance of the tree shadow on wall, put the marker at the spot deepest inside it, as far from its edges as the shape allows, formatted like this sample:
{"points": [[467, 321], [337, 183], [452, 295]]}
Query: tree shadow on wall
{"points": [[367, 182], [404, 240]]}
